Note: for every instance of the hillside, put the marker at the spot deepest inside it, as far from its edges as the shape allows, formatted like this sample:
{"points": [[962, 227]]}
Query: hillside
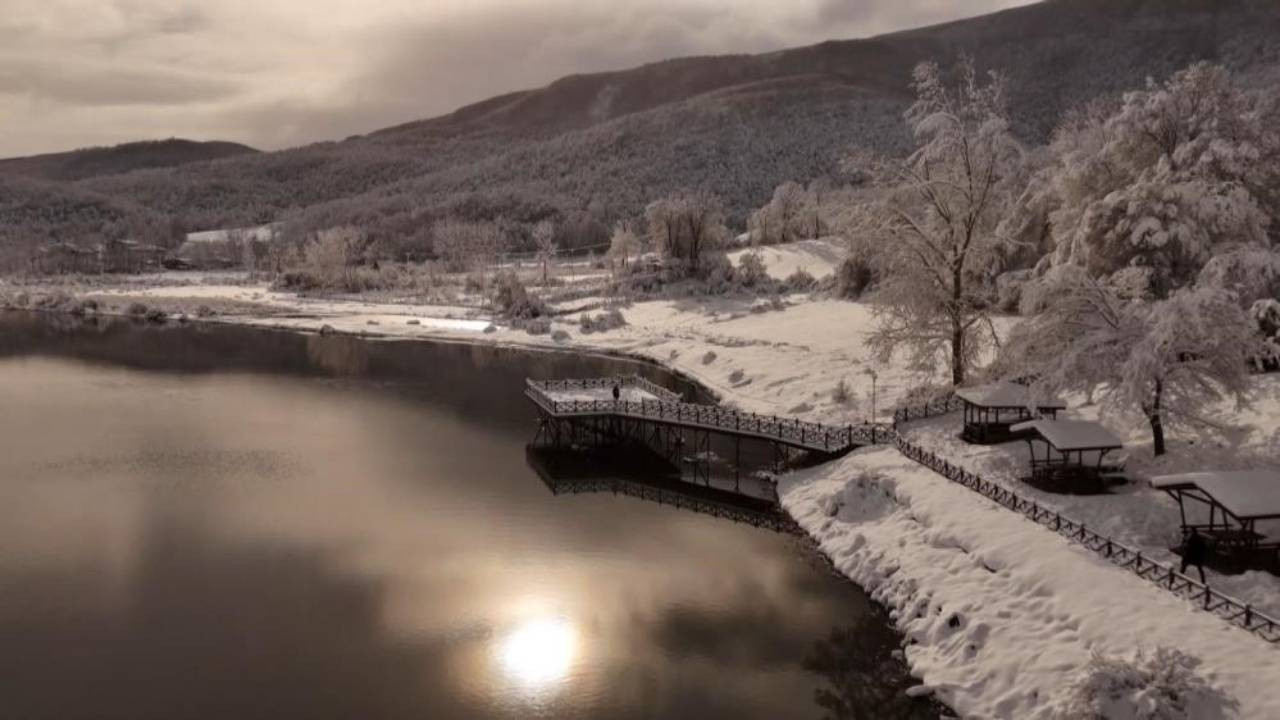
{"points": [[589, 149], [92, 162]]}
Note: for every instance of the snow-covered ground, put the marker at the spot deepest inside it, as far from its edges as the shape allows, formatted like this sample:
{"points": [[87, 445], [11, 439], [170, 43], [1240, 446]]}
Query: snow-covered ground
{"points": [[1136, 514], [818, 257], [626, 393], [1029, 608], [1001, 614]]}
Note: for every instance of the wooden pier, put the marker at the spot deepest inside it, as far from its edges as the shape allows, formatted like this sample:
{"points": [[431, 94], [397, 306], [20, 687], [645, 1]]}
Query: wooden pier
{"points": [[585, 413]]}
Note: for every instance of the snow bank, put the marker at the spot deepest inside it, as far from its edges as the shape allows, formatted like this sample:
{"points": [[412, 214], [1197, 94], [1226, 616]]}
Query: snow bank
{"points": [[1000, 615], [819, 257]]}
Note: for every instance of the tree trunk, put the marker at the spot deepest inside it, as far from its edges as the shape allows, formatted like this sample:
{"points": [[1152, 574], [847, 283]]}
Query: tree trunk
{"points": [[1157, 424], [957, 353], [957, 326]]}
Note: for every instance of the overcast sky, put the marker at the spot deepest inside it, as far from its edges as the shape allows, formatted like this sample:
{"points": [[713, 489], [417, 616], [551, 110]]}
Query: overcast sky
{"points": [[275, 73]]}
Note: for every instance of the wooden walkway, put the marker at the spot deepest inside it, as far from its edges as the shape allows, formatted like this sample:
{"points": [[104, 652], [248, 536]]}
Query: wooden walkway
{"points": [[564, 400]]}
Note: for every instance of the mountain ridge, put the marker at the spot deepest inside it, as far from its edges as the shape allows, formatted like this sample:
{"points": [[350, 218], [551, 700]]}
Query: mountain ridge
{"points": [[87, 162], [589, 149]]}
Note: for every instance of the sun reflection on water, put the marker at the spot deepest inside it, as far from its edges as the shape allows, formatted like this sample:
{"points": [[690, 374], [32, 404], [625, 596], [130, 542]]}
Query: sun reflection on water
{"points": [[538, 653]]}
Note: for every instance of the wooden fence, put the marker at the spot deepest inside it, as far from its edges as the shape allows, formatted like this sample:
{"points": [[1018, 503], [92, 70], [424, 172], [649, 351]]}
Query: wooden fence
{"points": [[1230, 609]]}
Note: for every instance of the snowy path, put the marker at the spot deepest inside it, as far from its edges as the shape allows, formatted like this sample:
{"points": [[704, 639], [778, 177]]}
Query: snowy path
{"points": [[1001, 613], [1134, 514]]}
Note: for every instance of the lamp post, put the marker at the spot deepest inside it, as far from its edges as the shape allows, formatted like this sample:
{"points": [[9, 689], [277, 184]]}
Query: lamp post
{"points": [[874, 376]]}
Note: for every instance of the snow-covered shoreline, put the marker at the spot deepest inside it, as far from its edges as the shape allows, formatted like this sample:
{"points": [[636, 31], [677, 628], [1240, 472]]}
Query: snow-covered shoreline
{"points": [[1029, 607]]}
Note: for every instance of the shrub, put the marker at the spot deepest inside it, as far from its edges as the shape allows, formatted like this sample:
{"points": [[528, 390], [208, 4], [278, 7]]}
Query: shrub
{"points": [[1162, 685], [297, 280], [204, 311], [83, 307], [512, 299], [800, 281], [156, 315], [559, 336], [718, 275], [921, 394], [852, 278], [840, 393], [137, 308], [534, 326], [603, 322], [709, 358], [751, 270]]}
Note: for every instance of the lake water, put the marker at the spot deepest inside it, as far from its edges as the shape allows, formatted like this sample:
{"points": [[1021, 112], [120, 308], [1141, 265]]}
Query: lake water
{"points": [[213, 522]]}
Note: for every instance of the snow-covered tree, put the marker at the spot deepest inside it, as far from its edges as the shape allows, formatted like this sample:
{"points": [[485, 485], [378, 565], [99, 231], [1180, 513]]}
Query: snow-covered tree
{"points": [[685, 228], [544, 239], [624, 242], [1168, 358], [937, 224], [1161, 684], [1174, 175]]}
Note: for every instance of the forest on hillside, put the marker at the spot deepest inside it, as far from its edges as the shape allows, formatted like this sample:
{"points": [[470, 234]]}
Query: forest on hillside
{"points": [[736, 127]]}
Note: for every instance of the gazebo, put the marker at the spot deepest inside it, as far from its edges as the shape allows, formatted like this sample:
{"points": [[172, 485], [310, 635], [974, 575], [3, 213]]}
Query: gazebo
{"points": [[1236, 499], [991, 410], [1072, 454]]}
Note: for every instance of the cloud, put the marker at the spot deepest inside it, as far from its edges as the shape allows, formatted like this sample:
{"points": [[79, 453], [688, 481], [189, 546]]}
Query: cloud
{"points": [[78, 84], [281, 72]]}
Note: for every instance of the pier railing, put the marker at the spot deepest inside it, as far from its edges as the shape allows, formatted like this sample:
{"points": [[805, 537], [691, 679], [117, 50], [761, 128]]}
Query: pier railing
{"points": [[1228, 608], [789, 431], [599, 383]]}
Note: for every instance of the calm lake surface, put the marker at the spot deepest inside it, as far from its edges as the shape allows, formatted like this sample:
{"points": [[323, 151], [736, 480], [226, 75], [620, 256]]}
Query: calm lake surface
{"points": [[212, 522]]}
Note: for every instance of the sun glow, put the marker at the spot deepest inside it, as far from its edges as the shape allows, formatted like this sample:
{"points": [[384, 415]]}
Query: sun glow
{"points": [[538, 653]]}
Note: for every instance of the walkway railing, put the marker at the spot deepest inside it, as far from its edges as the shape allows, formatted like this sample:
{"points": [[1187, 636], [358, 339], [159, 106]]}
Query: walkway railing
{"points": [[937, 406], [1230, 609], [789, 431]]}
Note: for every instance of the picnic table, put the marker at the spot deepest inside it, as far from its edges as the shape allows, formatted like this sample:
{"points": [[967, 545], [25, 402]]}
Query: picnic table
{"points": [[1070, 455], [1236, 501]]}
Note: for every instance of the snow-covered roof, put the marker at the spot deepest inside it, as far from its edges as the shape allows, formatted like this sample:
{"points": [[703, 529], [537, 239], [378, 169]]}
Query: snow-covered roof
{"points": [[1005, 395], [1072, 434], [1244, 493]]}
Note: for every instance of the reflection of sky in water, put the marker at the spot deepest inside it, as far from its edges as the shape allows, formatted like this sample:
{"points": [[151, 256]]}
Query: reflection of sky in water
{"points": [[202, 544]]}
